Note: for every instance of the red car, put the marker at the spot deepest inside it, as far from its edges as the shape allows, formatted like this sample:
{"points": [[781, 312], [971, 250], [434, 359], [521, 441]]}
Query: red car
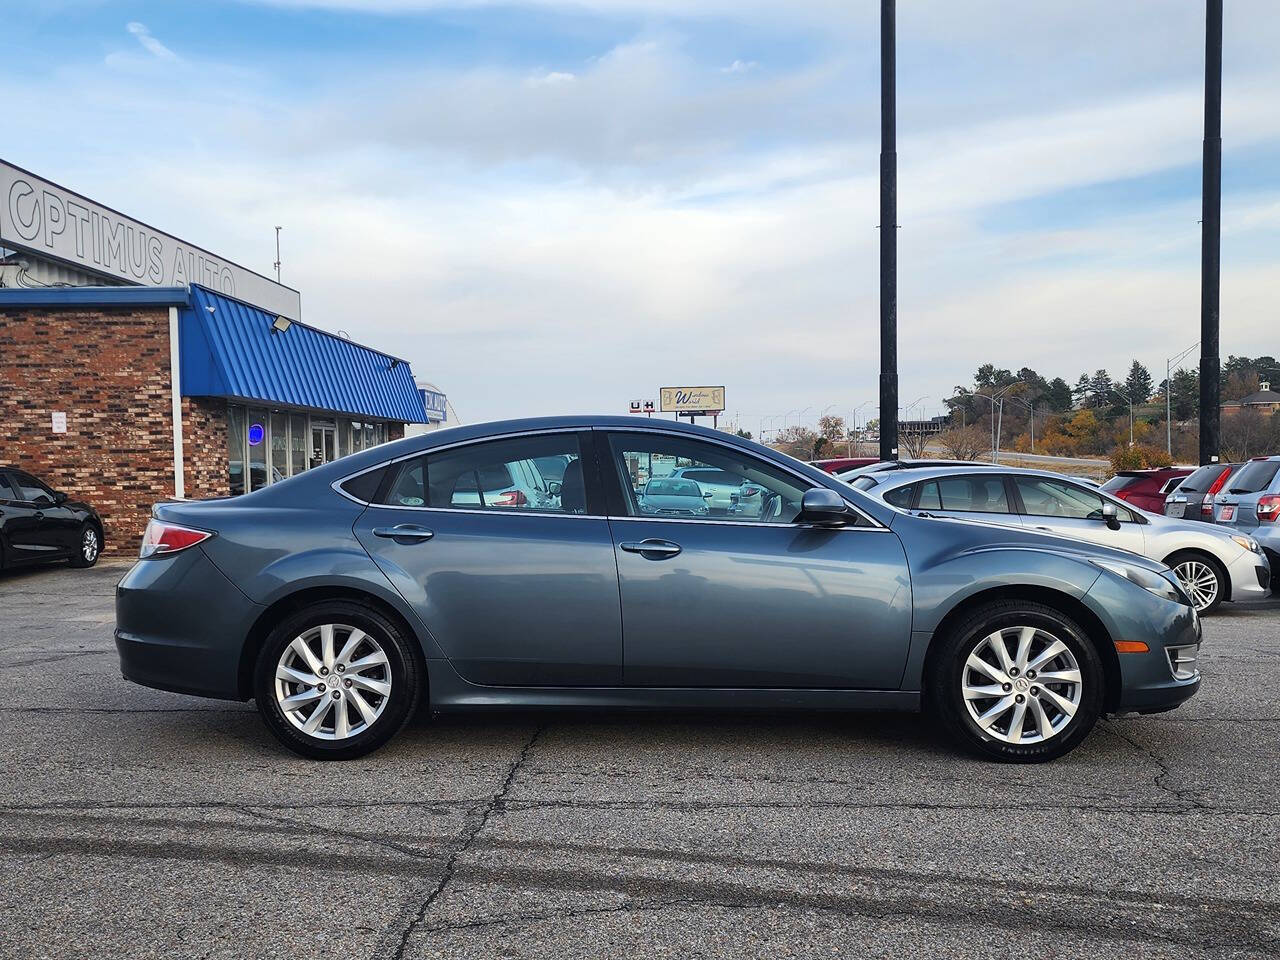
{"points": [[1146, 489], [837, 464]]}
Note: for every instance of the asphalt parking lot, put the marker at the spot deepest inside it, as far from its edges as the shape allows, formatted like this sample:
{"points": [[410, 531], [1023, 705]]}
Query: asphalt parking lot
{"points": [[135, 823]]}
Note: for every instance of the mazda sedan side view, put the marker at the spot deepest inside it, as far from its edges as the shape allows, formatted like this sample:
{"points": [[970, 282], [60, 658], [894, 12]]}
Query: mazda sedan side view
{"points": [[39, 524], [342, 598]]}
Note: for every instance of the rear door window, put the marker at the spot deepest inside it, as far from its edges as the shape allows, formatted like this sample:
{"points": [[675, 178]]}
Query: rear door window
{"points": [[975, 494]]}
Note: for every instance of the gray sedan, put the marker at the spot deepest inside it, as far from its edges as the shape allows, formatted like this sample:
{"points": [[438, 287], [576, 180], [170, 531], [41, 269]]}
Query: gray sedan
{"points": [[1213, 564], [343, 598]]}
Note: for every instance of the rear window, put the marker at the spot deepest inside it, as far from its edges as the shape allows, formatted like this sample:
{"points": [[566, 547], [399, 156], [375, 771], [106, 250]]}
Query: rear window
{"points": [[1255, 476], [1119, 482], [1201, 480], [365, 486], [673, 488]]}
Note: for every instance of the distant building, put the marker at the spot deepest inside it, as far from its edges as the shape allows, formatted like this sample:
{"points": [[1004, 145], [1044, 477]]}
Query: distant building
{"points": [[1266, 401]]}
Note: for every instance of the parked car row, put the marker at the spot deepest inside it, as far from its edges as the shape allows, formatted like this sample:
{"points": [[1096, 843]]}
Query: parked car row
{"points": [[1213, 564]]}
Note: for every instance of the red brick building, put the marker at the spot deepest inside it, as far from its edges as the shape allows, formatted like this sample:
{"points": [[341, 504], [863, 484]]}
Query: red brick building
{"points": [[125, 395]]}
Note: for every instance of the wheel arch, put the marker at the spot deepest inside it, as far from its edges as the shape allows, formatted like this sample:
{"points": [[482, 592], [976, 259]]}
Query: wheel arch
{"points": [[1068, 605], [291, 603], [1202, 554]]}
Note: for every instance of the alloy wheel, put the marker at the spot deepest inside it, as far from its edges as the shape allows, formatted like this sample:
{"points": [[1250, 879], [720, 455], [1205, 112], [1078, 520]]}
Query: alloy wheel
{"points": [[1021, 685], [1200, 581], [89, 545], [333, 681]]}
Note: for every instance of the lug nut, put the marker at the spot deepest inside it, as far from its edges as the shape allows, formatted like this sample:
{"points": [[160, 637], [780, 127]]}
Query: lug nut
{"points": [[341, 667], [1006, 687], [1035, 691], [1019, 698], [1013, 671], [337, 694], [320, 687], [324, 671], [1031, 674], [346, 683]]}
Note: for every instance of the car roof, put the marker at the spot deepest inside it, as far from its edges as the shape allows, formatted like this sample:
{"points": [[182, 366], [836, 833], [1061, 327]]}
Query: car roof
{"points": [[901, 477]]}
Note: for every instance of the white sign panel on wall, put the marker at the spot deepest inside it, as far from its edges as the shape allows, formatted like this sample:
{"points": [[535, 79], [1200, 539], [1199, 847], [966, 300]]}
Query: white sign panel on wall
{"points": [[45, 219], [58, 421]]}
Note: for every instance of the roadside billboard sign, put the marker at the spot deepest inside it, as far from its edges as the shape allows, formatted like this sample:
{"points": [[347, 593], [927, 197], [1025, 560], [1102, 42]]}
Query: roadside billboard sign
{"points": [[687, 400]]}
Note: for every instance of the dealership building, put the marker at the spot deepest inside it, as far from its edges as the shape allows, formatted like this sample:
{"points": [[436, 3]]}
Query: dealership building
{"points": [[136, 367]]}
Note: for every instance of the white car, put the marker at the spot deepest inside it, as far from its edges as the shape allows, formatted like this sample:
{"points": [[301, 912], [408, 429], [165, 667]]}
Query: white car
{"points": [[1213, 564]]}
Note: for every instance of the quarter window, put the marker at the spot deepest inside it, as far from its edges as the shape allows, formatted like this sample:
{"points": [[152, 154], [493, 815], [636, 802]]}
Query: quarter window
{"points": [[901, 497], [666, 476], [501, 475]]}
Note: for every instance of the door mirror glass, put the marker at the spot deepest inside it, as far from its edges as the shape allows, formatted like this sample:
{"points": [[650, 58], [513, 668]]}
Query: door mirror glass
{"points": [[823, 506]]}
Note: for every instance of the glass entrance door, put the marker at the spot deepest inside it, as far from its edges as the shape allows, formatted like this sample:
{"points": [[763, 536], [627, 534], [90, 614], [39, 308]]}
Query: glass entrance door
{"points": [[323, 444]]}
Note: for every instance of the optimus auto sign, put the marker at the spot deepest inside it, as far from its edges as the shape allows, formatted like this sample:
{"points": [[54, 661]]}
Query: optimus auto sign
{"points": [[45, 219], [692, 399]]}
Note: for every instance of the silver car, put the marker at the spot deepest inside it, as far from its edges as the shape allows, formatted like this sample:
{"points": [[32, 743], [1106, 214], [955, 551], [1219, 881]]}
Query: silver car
{"points": [[1213, 564], [672, 497], [718, 486]]}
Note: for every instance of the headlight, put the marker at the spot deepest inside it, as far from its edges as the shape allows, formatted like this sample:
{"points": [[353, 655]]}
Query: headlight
{"points": [[1151, 582], [1248, 543]]}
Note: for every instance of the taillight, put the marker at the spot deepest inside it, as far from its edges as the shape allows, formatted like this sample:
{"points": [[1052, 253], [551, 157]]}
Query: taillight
{"points": [[511, 498], [1206, 505], [161, 537], [1268, 508]]}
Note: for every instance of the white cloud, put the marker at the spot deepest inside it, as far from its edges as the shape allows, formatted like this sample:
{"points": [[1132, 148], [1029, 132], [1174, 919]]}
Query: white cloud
{"points": [[740, 66], [149, 42]]}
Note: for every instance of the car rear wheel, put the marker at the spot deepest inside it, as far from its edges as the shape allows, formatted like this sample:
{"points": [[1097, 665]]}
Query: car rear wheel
{"points": [[336, 681], [1202, 577], [88, 547], [1017, 681]]}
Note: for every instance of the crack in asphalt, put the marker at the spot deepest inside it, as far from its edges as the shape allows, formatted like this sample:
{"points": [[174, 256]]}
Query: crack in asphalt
{"points": [[1182, 795], [495, 803]]}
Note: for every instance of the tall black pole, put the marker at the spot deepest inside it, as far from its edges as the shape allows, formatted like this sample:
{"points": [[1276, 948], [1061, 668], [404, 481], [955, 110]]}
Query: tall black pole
{"points": [[1210, 236], [888, 236]]}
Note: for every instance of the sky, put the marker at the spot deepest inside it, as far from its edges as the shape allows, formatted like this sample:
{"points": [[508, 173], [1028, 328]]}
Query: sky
{"points": [[558, 207]]}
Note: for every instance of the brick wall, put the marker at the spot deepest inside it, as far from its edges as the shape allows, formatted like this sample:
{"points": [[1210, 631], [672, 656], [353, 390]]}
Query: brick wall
{"points": [[204, 448], [108, 370]]}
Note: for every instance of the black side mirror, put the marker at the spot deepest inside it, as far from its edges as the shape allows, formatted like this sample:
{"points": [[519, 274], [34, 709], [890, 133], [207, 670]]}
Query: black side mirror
{"points": [[60, 498], [1111, 515], [823, 507]]}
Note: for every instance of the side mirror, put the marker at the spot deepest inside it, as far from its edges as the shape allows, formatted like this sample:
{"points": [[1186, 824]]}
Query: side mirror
{"points": [[60, 498], [554, 487], [823, 507], [1111, 515]]}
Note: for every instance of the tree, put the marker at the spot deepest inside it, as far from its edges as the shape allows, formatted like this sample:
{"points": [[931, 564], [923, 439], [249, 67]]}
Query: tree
{"points": [[913, 440], [1184, 394], [1057, 395], [1138, 384], [799, 442], [744, 434], [1080, 392], [1240, 383], [963, 443], [1101, 390], [832, 429]]}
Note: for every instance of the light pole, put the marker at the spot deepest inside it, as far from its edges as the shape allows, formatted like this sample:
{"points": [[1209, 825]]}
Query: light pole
{"points": [[1168, 392], [1030, 405], [995, 440], [1128, 398], [854, 415]]}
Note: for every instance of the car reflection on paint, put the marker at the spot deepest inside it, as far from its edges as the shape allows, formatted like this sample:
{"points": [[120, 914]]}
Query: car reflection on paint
{"points": [[673, 497]]}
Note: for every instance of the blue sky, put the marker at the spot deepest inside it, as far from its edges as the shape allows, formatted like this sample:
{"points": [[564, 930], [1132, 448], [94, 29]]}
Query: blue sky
{"points": [[552, 207]]}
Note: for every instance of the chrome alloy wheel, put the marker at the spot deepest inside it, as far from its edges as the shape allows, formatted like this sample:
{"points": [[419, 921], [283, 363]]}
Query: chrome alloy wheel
{"points": [[1200, 581], [333, 681], [1021, 685], [89, 545]]}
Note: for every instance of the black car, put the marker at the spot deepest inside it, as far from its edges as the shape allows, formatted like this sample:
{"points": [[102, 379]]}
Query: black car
{"points": [[38, 524]]}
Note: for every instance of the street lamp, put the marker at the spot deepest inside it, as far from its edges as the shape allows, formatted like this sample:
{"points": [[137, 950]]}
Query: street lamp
{"points": [[854, 415], [1168, 392], [1030, 405], [995, 438], [1127, 395]]}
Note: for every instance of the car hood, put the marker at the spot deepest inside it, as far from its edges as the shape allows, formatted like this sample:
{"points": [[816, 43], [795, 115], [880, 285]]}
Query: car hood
{"points": [[964, 534]]}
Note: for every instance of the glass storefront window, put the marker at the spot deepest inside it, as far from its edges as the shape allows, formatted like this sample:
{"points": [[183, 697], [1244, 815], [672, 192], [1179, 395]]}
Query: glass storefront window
{"points": [[368, 435], [279, 446], [357, 436], [344, 437], [258, 473], [298, 442], [235, 449]]}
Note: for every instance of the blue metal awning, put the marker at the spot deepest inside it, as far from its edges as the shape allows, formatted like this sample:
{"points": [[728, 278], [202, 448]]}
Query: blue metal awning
{"points": [[229, 349]]}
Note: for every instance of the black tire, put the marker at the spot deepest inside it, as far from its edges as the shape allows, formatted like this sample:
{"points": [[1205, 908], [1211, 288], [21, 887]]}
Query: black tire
{"points": [[947, 669], [402, 667], [1206, 562], [84, 556]]}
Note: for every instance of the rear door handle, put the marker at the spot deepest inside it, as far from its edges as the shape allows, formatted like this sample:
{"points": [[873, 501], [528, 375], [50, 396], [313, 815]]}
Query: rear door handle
{"points": [[405, 533], [651, 549]]}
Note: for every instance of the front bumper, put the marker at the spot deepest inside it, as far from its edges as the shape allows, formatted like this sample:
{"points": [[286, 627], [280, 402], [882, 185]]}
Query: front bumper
{"points": [[1250, 576], [181, 625], [1146, 680]]}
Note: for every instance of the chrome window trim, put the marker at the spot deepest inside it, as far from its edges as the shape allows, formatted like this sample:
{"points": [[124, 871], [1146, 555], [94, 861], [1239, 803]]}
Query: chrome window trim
{"points": [[874, 524]]}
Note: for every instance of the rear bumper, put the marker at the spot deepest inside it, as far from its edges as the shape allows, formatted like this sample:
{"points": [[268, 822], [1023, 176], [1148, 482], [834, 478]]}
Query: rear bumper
{"points": [[181, 625]]}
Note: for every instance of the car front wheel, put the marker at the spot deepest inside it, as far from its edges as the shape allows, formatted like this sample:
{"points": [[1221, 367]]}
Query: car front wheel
{"points": [[1202, 577], [1017, 681], [336, 681], [88, 547]]}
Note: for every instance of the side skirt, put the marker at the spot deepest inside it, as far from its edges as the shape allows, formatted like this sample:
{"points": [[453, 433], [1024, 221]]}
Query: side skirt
{"points": [[449, 692]]}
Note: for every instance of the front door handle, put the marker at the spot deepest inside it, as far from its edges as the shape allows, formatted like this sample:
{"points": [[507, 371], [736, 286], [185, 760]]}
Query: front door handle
{"points": [[651, 549], [39, 514], [1050, 529], [405, 533]]}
